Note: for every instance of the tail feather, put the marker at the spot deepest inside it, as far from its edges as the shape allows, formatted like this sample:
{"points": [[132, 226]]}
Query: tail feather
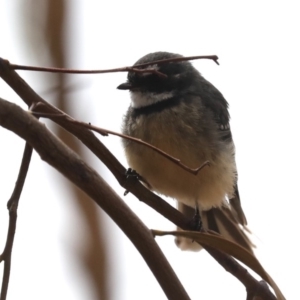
{"points": [[236, 207], [224, 220], [229, 227]]}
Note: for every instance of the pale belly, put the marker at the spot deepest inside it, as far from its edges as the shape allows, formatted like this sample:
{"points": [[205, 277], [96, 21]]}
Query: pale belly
{"points": [[208, 189]]}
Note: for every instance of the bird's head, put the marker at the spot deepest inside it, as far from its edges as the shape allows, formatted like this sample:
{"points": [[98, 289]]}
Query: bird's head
{"points": [[162, 82]]}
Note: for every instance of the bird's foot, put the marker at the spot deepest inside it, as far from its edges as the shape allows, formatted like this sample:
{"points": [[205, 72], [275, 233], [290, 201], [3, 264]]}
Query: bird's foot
{"points": [[132, 174], [196, 221]]}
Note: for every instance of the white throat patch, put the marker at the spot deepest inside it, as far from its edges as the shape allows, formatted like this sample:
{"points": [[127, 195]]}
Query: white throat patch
{"points": [[140, 99]]}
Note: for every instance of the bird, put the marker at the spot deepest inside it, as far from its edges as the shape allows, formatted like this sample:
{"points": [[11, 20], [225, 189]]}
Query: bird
{"points": [[174, 108]]}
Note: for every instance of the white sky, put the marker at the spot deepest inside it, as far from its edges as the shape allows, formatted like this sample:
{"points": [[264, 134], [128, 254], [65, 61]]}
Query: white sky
{"points": [[258, 47]]}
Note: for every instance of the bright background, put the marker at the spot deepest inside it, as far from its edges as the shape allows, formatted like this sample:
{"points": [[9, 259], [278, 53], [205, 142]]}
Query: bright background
{"points": [[258, 47]]}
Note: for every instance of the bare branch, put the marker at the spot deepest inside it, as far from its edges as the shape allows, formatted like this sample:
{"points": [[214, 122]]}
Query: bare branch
{"points": [[134, 68], [12, 206], [178, 59]]}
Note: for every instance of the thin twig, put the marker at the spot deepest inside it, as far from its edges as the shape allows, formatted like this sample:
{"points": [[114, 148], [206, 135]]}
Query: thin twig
{"points": [[12, 206], [134, 68], [106, 132], [150, 70], [177, 161], [178, 59]]}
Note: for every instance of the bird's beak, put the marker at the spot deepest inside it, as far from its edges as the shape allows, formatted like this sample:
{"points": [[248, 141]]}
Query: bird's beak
{"points": [[125, 86]]}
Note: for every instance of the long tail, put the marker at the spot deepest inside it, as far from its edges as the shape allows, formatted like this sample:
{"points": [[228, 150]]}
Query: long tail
{"points": [[223, 221], [226, 220]]}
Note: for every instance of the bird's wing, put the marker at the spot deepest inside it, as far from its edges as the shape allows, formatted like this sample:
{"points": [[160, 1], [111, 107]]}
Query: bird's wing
{"points": [[212, 99], [217, 104]]}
